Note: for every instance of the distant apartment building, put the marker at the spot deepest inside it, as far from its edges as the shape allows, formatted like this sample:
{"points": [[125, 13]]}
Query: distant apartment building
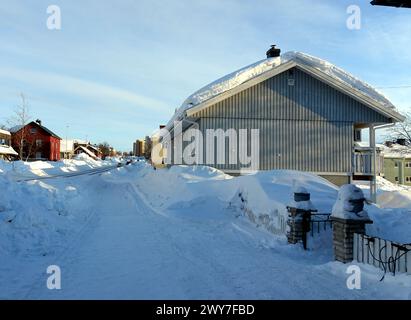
{"points": [[138, 148], [397, 162]]}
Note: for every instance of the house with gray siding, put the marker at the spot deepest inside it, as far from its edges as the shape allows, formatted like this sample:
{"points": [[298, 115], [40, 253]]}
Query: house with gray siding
{"points": [[310, 115]]}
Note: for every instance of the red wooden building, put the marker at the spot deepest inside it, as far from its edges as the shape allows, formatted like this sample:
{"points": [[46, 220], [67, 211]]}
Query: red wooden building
{"points": [[35, 142]]}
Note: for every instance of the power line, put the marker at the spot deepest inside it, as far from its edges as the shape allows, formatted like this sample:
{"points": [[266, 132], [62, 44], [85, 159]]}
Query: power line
{"points": [[394, 87]]}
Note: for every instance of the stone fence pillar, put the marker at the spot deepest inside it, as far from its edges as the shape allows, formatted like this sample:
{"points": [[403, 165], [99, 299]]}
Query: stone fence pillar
{"points": [[299, 217], [348, 217]]}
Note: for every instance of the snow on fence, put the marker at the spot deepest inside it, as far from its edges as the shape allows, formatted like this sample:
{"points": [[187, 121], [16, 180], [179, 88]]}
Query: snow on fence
{"points": [[275, 222], [386, 255]]}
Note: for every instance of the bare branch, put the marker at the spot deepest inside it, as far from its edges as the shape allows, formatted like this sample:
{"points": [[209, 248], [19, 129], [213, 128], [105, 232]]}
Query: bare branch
{"points": [[401, 130], [21, 118]]}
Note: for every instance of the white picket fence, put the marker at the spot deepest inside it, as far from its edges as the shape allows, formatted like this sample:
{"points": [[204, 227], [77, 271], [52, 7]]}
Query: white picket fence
{"points": [[386, 255]]}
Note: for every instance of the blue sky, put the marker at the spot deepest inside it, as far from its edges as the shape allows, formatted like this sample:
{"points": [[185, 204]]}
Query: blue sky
{"points": [[118, 69]]}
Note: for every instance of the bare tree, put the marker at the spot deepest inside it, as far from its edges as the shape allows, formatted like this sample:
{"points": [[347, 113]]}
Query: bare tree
{"points": [[105, 149], [402, 130], [20, 118]]}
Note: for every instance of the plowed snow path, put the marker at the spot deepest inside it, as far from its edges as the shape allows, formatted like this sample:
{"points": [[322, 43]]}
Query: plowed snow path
{"points": [[129, 251]]}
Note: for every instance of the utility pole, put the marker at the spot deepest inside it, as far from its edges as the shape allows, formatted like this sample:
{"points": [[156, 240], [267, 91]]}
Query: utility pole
{"points": [[67, 128]]}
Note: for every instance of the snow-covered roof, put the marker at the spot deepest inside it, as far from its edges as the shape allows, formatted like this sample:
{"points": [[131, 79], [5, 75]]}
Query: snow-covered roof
{"points": [[87, 151], [16, 128], [94, 148], [5, 132], [7, 150], [262, 67], [34, 123], [366, 145], [397, 151]]}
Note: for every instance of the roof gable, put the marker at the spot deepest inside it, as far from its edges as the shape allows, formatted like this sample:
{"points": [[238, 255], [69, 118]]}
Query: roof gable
{"points": [[267, 68], [307, 98], [17, 128], [5, 132]]}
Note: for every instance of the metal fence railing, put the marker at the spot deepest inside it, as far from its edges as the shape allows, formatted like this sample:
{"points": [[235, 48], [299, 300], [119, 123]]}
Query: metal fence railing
{"points": [[320, 222], [387, 255]]}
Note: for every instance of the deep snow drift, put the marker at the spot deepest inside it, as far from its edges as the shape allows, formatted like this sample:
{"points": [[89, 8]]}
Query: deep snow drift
{"points": [[184, 232]]}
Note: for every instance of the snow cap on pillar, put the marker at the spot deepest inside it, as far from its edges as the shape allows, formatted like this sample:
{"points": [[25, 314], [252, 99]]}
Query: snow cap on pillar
{"points": [[301, 198], [350, 203]]}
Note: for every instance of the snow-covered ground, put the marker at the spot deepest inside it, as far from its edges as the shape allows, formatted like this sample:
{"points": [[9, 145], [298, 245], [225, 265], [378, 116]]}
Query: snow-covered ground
{"points": [[179, 233]]}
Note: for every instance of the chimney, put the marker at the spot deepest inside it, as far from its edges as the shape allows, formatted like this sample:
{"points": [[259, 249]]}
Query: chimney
{"points": [[273, 52], [401, 141], [389, 143], [38, 121]]}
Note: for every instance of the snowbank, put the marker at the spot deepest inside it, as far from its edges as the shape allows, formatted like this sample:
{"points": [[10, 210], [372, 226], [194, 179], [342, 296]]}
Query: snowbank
{"points": [[198, 191], [34, 214], [262, 197], [19, 170], [392, 214], [390, 195], [51, 220]]}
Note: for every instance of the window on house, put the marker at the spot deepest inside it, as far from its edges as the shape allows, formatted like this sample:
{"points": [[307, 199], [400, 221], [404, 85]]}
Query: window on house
{"points": [[396, 164], [33, 130], [357, 135], [38, 155], [408, 164], [39, 143], [396, 179], [407, 179]]}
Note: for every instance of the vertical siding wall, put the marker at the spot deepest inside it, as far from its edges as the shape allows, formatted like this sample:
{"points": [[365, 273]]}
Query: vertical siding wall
{"points": [[317, 146], [307, 126]]}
